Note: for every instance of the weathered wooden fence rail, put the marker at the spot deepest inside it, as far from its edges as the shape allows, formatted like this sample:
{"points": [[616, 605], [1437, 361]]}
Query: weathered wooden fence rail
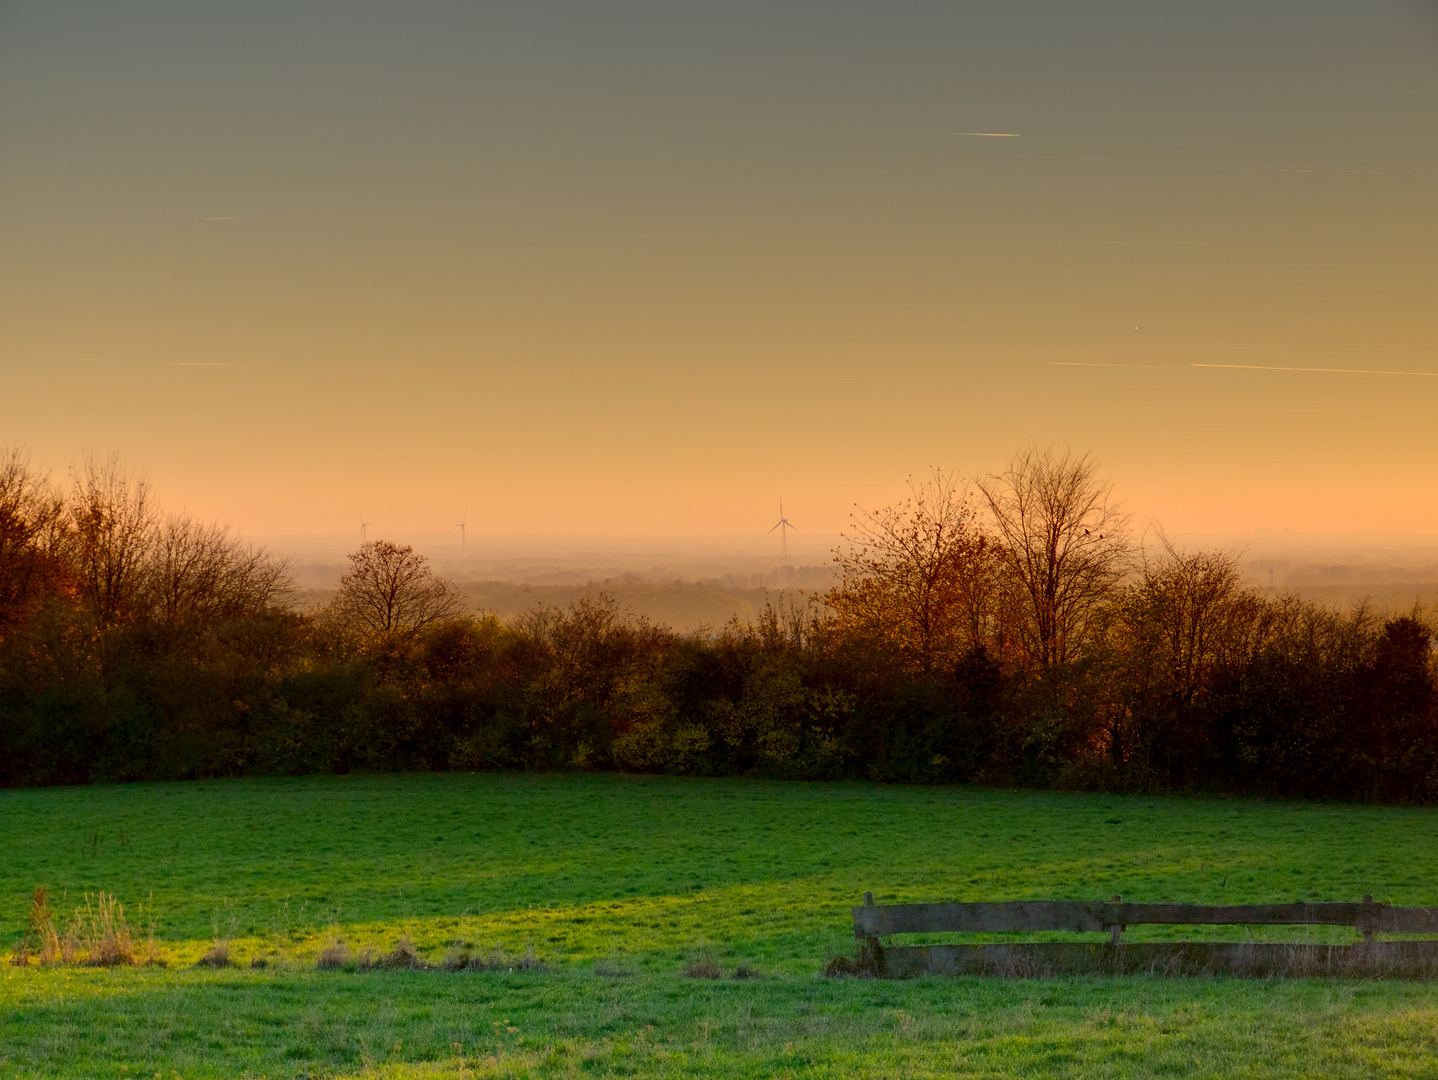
{"points": [[1365, 957]]}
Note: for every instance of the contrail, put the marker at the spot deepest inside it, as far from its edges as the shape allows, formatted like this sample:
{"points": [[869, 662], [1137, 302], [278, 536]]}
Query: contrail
{"points": [[1153, 367], [1329, 370], [1248, 367], [1177, 243], [1259, 166]]}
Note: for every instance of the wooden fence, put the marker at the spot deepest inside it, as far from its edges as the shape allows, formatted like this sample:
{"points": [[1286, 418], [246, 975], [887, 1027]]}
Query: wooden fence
{"points": [[1366, 956]]}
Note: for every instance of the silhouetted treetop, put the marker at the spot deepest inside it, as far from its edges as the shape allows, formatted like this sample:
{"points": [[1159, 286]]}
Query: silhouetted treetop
{"points": [[389, 589]]}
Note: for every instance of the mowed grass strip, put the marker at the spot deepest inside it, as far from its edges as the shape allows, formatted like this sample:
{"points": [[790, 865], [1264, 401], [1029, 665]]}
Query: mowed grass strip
{"points": [[617, 882]]}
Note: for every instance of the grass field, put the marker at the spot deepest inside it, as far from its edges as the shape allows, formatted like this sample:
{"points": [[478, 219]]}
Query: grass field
{"points": [[617, 883]]}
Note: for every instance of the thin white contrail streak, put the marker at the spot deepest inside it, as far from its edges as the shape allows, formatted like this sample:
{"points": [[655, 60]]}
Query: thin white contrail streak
{"points": [[1328, 370], [1176, 243], [1249, 367], [1154, 367], [1262, 166]]}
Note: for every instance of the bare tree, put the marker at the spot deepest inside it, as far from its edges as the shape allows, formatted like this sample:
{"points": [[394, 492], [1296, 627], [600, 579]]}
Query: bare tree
{"points": [[1185, 615], [201, 573], [1065, 545], [391, 590], [32, 531], [111, 526], [920, 575]]}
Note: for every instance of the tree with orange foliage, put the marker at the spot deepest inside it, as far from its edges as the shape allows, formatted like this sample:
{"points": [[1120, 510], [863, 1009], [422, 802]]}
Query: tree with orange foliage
{"points": [[921, 577], [32, 535]]}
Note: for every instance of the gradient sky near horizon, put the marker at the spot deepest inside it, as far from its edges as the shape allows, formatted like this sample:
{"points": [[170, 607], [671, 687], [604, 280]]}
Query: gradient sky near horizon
{"points": [[645, 268]]}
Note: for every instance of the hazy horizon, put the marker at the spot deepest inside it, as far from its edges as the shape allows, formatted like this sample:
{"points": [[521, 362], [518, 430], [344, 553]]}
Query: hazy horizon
{"points": [[705, 580]]}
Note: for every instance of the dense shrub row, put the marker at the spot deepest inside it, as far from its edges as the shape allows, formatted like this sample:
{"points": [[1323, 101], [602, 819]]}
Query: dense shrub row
{"points": [[1173, 676], [1324, 705]]}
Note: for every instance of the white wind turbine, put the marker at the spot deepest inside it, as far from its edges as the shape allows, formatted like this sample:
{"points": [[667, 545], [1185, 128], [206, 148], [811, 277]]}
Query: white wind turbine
{"points": [[363, 526], [460, 526], [783, 525]]}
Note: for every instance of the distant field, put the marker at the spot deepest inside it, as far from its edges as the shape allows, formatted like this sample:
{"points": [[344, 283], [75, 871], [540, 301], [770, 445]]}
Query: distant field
{"points": [[617, 882], [681, 606]]}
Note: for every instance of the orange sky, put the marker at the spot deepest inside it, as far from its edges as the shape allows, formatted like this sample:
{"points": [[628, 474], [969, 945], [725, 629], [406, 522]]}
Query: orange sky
{"points": [[646, 267]]}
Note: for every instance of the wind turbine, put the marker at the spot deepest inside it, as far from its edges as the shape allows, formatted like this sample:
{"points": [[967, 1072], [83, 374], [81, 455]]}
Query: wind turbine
{"points": [[462, 519], [363, 526], [783, 525]]}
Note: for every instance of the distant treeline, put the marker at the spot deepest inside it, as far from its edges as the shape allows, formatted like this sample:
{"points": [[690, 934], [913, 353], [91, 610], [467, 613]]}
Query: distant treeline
{"points": [[1004, 633]]}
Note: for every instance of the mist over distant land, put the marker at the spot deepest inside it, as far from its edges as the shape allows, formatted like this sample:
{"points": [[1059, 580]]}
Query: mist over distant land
{"points": [[689, 583]]}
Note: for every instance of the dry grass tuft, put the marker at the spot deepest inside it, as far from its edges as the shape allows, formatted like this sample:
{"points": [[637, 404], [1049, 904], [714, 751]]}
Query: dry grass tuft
{"points": [[102, 933], [840, 966], [333, 956], [702, 967], [529, 962], [403, 955], [41, 940], [868, 965], [744, 971], [218, 956], [495, 960]]}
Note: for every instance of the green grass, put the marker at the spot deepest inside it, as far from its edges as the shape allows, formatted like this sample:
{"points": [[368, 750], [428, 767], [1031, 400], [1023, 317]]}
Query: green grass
{"points": [[617, 882]]}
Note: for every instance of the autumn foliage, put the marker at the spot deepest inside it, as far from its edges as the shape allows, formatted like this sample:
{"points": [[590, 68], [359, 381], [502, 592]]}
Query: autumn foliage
{"points": [[1008, 631]]}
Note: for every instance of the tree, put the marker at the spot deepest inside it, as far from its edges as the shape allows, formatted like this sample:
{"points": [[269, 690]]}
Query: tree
{"points": [[32, 531], [199, 574], [111, 526], [921, 576], [1183, 618], [1064, 545], [390, 590], [1172, 636]]}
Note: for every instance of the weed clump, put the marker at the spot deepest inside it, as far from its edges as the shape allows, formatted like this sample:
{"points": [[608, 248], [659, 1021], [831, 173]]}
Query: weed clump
{"points": [[98, 936], [744, 971], [495, 960], [41, 940], [702, 967], [840, 966], [404, 956], [334, 956], [217, 957], [103, 934]]}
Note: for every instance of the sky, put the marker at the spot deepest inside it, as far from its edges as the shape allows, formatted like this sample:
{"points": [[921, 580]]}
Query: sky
{"points": [[627, 268]]}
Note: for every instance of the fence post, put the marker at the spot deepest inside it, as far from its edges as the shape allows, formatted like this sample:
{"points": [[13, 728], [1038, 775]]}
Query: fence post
{"points": [[871, 953], [1115, 931]]}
